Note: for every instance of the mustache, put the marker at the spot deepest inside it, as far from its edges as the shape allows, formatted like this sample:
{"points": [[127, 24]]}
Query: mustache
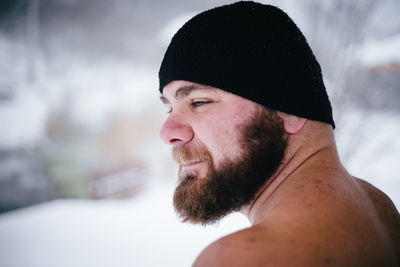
{"points": [[184, 155]]}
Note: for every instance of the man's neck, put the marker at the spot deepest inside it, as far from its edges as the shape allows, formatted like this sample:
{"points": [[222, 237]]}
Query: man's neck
{"points": [[298, 156]]}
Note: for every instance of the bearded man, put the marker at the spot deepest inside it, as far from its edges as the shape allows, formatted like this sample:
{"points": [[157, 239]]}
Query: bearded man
{"points": [[251, 127]]}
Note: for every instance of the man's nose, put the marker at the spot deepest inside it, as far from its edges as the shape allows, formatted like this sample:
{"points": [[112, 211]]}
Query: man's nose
{"points": [[174, 132]]}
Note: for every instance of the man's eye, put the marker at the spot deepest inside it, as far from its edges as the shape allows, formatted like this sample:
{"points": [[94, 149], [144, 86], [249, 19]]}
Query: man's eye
{"points": [[200, 103]]}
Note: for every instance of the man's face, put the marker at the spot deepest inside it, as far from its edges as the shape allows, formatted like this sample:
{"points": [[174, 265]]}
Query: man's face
{"points": [[226, 147]]}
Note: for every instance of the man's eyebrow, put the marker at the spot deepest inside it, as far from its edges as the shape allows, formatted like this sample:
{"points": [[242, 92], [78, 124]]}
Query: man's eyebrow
{"points": [[184, 91], [164, 99]]}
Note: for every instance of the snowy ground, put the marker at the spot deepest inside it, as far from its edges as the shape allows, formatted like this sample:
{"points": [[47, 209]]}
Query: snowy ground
{"points": [[140, 232]]}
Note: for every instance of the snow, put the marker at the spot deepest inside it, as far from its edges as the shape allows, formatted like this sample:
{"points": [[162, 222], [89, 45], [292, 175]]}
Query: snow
{"points": [[108, 89], [375, 158], [168, 31], [143, 231], [382, 52], [24, 118]]}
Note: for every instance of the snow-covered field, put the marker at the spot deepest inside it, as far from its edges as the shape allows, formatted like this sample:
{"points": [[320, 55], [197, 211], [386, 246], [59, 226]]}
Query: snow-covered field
{"points": [[143, 231]]}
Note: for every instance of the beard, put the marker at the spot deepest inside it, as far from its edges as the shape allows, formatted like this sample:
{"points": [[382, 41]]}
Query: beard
{"points": [[235, 183]]}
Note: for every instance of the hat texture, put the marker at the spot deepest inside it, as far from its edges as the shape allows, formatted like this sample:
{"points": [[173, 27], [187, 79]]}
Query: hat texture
{"points": [[252, 50]]}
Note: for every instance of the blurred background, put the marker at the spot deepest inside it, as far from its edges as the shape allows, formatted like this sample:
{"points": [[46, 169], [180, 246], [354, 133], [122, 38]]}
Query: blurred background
{"points": [[84, 178]]}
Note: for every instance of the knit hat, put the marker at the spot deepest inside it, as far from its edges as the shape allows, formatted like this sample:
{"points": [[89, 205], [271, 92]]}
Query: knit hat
{"points": [[252, 50]]}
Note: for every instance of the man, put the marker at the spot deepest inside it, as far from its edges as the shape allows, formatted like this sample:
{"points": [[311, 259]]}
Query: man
{"points": [[251, 128]]}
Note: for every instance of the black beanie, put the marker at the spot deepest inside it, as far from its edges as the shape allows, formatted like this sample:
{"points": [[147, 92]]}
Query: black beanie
{"points": [[252, 50]]}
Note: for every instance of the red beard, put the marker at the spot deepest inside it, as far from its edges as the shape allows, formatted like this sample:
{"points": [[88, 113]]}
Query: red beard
{"points": [[234, 183]]}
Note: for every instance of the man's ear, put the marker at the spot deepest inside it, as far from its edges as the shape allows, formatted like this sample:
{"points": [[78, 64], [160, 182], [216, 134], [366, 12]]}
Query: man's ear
{"points": [[291, 123]]}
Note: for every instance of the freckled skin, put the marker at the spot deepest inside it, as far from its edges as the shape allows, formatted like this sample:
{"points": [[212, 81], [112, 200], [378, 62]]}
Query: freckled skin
{"points": [[311, 212], [303, 227]]}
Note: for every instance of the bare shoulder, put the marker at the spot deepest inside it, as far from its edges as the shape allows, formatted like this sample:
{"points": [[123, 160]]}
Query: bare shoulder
{"points": [[243, 248], [386, 211], [383, 205], [322, 231], [259, 246], [380, 200]]}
